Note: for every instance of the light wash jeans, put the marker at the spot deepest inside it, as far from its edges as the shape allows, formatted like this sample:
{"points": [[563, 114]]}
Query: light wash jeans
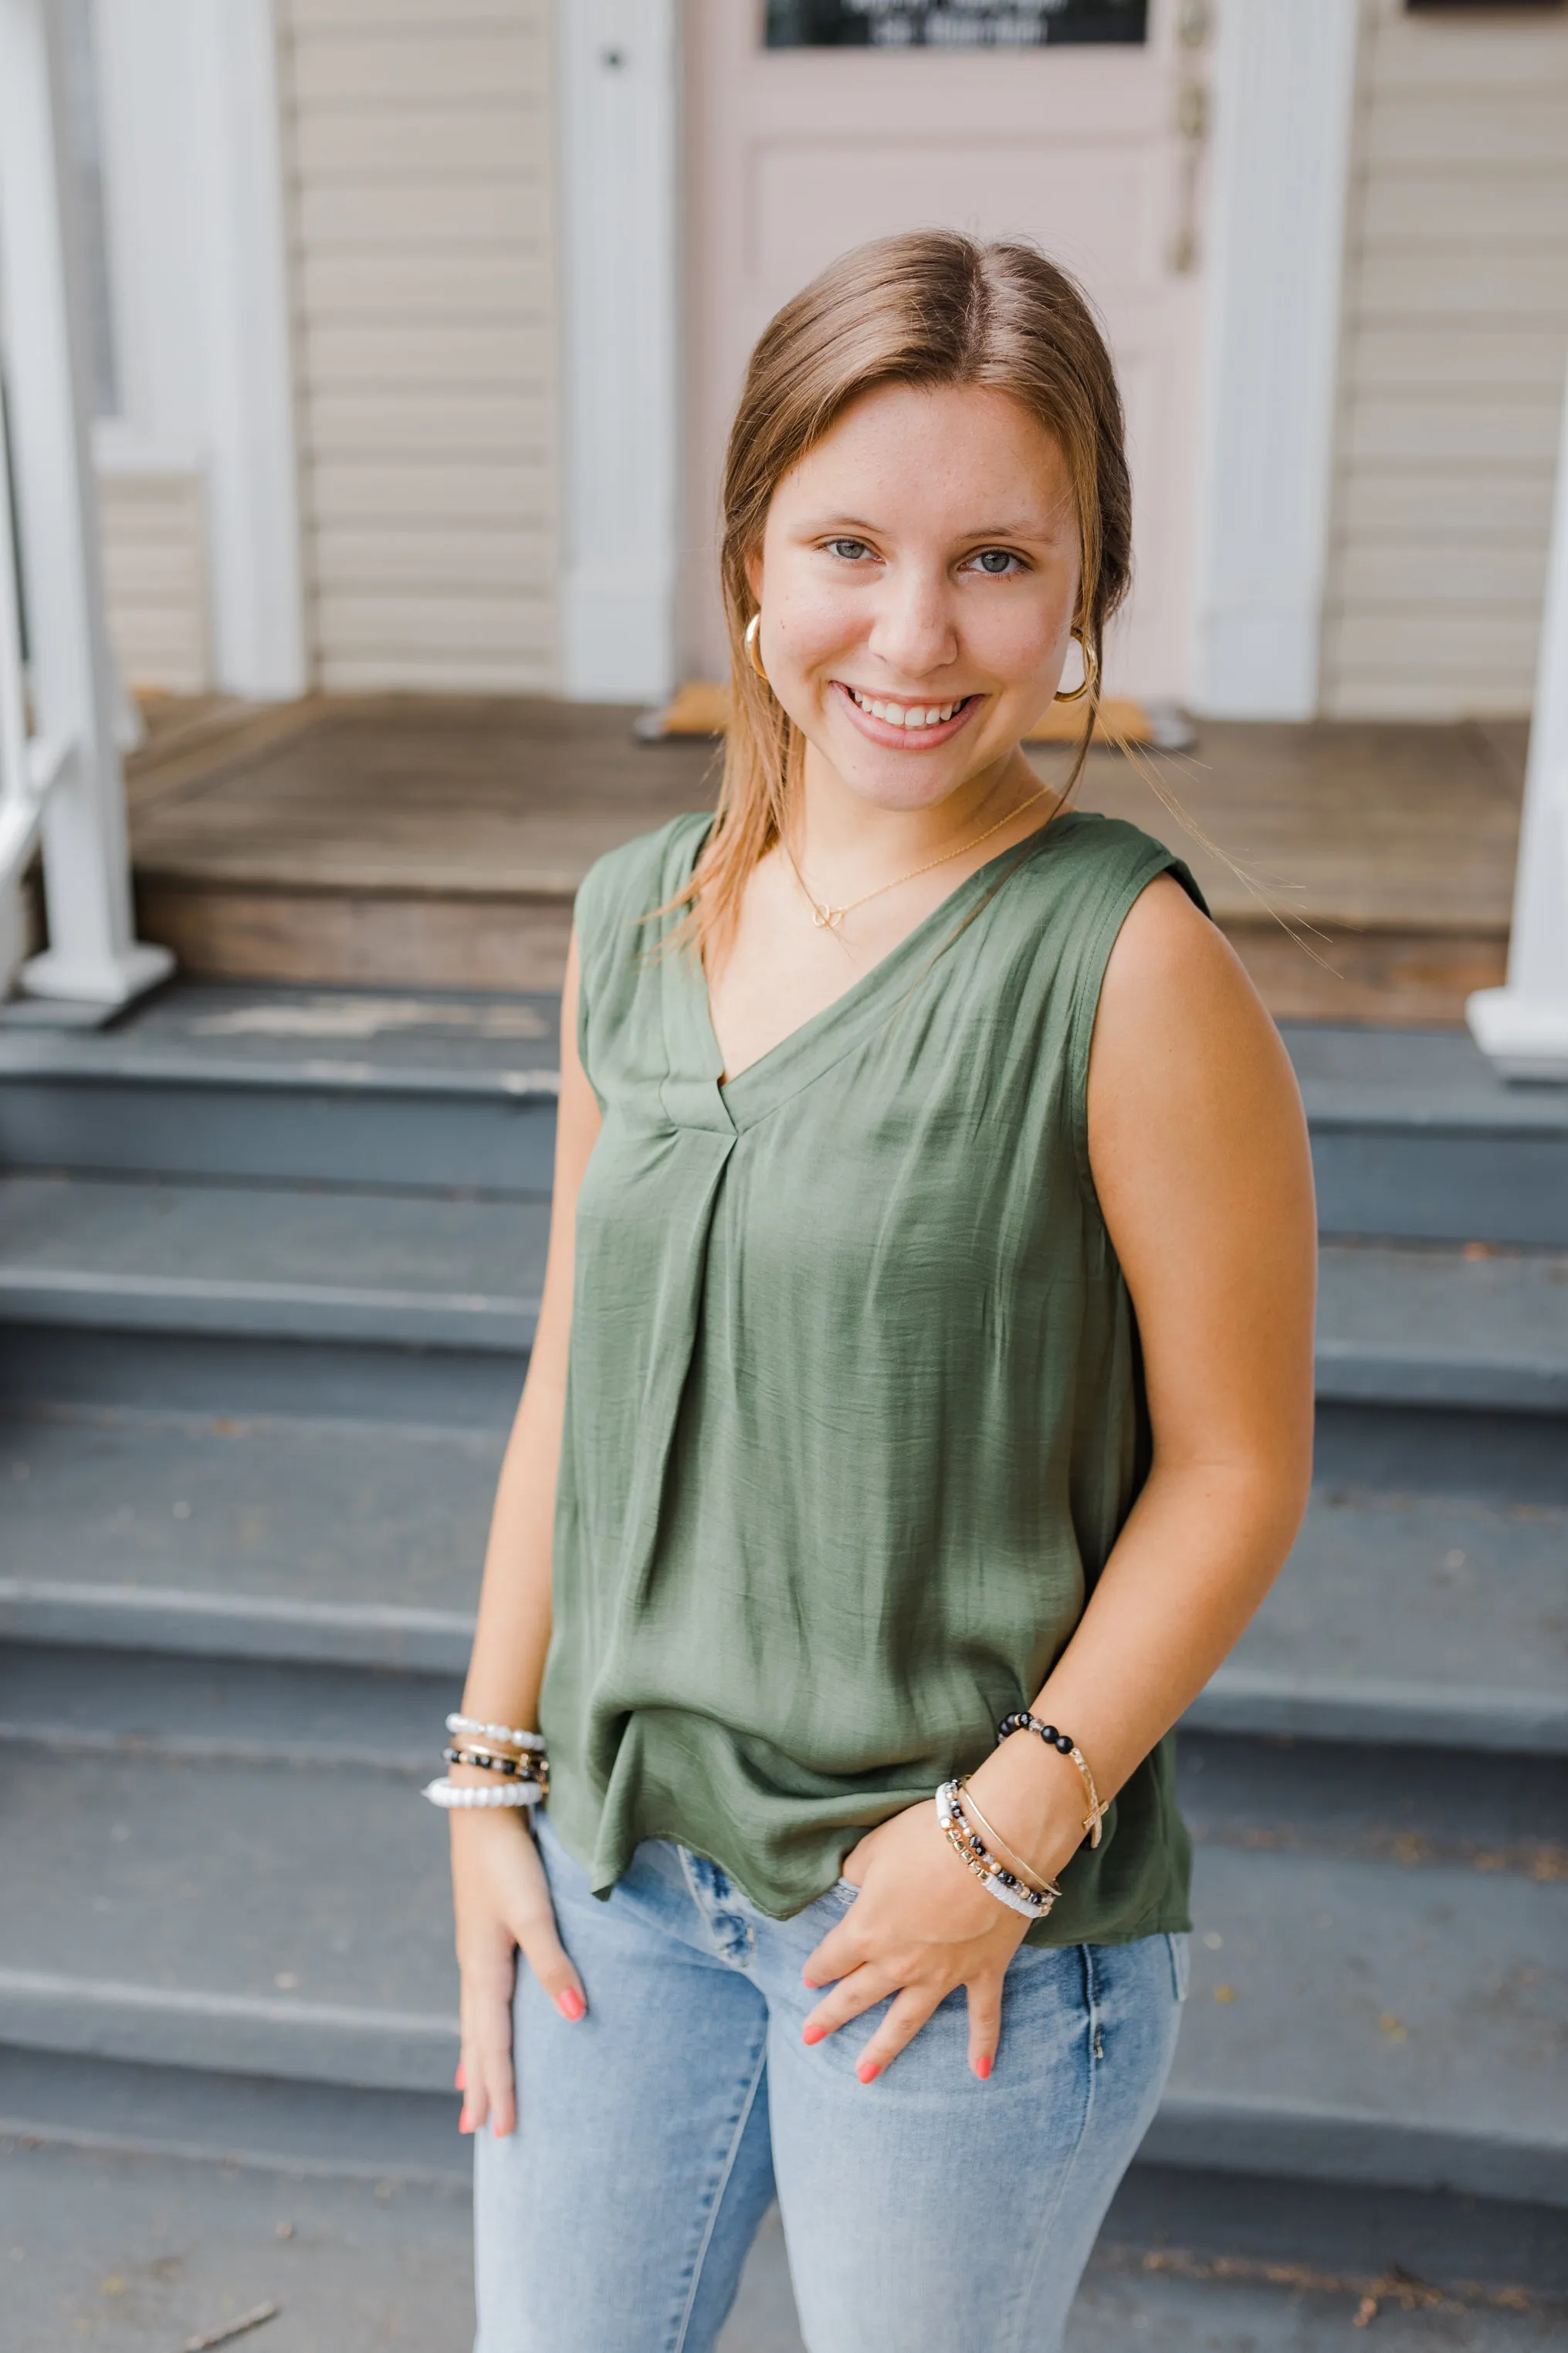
{"points": [[927, 2211]]}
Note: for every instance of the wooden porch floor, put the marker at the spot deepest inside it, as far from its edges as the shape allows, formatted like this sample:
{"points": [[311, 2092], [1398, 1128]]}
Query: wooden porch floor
{"points": [[434, 842]]}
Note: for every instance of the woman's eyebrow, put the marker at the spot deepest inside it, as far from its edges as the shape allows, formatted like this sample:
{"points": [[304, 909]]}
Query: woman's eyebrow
{"points": [[1016, 527]]}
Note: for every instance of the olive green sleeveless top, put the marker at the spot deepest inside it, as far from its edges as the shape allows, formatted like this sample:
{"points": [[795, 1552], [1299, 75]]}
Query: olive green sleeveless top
{"points": [[854, 1407]]}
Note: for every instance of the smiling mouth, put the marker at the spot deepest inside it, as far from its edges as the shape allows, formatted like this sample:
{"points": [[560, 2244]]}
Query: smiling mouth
{"points": [[907, 714]]}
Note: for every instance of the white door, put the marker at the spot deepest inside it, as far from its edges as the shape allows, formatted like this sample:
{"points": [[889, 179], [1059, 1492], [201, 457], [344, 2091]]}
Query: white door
{"points": [[793, 155]]}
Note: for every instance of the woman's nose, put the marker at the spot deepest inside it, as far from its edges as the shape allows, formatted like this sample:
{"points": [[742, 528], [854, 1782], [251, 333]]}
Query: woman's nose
{"points": [[913, 634]]}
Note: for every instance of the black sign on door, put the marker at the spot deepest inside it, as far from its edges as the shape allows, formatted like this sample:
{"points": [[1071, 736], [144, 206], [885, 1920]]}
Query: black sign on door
{"points": [[951, 24]]}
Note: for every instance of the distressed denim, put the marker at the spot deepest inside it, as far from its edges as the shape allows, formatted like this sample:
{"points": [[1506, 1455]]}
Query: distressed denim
{"points": [[927, 2211]]}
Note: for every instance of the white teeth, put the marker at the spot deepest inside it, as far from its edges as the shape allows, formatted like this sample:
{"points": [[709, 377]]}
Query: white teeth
{"points": [[913, 715]]}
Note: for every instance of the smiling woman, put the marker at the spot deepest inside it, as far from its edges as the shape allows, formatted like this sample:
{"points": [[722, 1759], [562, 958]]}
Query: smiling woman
{"points": [[932, 1261]]}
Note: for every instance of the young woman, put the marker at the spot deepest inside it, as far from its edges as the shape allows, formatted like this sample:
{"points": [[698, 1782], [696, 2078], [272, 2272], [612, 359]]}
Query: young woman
{"points": [[920, 1405]]}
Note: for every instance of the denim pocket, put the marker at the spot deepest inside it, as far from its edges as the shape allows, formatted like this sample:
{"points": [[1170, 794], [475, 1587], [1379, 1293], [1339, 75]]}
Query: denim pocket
{"points": [[1181, 1961]]}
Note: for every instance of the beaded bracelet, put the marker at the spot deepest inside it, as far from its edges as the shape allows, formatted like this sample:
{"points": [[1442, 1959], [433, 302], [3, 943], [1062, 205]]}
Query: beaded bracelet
{"points": [[522, 1768], [995, 1840], [513, 1739], [1065, 1745], [1032, 1903], [447, 1794]]}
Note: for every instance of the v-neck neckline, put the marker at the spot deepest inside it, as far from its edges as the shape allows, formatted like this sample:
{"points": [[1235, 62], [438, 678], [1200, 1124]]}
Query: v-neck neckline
{"points": [[814, 1044]]}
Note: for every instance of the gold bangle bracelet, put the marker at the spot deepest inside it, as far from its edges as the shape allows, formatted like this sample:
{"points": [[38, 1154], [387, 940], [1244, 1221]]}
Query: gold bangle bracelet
{"points": [[1097, 1812], [1026, 1870]]}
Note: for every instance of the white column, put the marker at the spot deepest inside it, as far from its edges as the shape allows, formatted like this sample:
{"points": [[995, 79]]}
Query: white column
{"points": [[93, 955], [1524, 1027], [194, 190], [1284, 101], [618, 62]]}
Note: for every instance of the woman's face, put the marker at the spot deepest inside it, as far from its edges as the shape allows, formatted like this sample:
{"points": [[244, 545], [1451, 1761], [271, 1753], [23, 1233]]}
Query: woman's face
{"points": [[918, 580]]}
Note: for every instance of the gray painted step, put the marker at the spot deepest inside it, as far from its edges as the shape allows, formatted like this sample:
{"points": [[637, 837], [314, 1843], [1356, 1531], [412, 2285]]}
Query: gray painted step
{"points": [[139, 2254], [1164, 2222], [1412, 1325], [258, 1919], [205, 2115], [244, 1510], [1398, 1616], [1414, 1134], [1409, 1616], [1360, 2023], [208, 1914], [92, 1702], [399, 1270], [1397, 1326]]}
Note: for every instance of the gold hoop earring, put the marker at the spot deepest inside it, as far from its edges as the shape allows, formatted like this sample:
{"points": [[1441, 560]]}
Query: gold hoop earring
{"points": [[1091, 671], [753, 655]]}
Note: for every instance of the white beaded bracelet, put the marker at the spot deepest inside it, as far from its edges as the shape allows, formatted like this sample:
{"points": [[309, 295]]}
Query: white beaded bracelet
{"points": [[509, 1793], [477, 1731]]}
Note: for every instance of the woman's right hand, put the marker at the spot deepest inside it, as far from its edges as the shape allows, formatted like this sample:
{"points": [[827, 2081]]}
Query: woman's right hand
{"points": [[501, 1899]]}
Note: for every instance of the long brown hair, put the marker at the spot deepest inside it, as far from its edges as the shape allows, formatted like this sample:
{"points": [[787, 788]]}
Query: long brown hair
{"points": [[926, 310]]}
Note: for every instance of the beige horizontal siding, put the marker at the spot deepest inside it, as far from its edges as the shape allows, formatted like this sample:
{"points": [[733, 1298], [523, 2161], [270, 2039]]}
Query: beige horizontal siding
{"points": [[393, 420], [396, 491], [1454, 344], [423, 231], [1420, 505], [153, 536], [438, 555], [405, 141]]}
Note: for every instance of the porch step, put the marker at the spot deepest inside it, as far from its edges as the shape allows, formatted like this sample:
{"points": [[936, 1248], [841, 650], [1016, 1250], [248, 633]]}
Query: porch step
{"points": [[1414, 1135], [195, 1912], [1427, 1326], [1398, 1619], [297, 1087], [260, 1298], [145, 2252]]}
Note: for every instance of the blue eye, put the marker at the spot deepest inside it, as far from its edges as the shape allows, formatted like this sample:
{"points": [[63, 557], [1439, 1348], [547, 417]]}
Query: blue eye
{"points": [[851, 550], [996, 563]]}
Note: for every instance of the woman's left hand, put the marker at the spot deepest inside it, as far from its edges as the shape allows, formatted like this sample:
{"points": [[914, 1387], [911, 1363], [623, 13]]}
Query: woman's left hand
{"points": [[921, 1924]]}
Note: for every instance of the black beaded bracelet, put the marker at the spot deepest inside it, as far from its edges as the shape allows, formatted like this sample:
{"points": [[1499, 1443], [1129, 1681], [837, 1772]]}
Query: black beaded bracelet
{"points": [[522, 1768], [1066, 1745]]}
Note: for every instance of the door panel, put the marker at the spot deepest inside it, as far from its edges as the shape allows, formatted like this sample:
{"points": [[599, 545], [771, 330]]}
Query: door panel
{"points": [[794, 155]]}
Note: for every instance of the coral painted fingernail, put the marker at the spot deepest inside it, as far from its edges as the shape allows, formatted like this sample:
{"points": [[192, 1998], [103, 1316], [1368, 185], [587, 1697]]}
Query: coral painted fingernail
{"points": [[982, 2065], [868, 2071], [812, 2033], [810, 1983], [459, 2082], [571, 2004], [465, 2122]]}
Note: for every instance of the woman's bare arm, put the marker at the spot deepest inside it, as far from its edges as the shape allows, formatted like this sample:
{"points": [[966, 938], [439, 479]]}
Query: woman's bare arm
{"points": [[500, 1898], [1199, 1152]]}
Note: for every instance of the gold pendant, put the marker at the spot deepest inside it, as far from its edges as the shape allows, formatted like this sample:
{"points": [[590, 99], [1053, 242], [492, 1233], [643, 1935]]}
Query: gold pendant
{"points": [[826, 918]]}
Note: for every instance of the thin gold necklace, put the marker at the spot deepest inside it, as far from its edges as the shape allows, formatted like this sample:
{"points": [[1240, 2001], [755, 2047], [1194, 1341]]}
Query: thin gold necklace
{"points": [[827, 918]]}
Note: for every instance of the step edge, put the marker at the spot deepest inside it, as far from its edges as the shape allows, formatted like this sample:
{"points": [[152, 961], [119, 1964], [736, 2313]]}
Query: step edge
{"points": [[1302, 2140], [1290, 2137], [409, 2051], [1237, 1700], [83, 1300], [153, 1618], [314, 1075], [1380, 1713], [43, 2132]]}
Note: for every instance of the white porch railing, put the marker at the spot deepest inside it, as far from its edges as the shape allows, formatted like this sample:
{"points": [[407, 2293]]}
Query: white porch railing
{"points": [[60, 778], [1524, 1026]]}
